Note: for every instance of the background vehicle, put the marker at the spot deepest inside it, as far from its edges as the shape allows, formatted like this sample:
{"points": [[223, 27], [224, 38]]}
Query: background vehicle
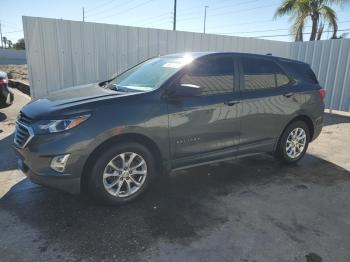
{"points": [[6, 96], [168, 113]]}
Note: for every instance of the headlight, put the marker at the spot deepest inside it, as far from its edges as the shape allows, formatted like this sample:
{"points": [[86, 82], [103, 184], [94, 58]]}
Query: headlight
{"points": [[54, 126]]}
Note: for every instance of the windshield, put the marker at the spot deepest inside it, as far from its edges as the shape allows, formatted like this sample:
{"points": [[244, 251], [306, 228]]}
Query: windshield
{"points": [[148, 75]]}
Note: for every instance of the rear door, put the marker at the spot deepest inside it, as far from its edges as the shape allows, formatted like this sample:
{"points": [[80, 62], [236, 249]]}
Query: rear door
{"points": [[267, 102], [208, 123]]}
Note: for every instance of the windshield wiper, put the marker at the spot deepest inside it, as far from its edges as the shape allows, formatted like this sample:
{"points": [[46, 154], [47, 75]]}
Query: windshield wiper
{"points": [[117, 88]]}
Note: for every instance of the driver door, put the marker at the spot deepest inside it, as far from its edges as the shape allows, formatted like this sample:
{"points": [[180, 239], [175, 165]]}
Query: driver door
{"points": [[205, 126]]}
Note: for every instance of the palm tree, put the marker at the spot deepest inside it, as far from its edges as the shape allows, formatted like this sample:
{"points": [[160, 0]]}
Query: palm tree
{"points": [[318, 11], [4, 40]]}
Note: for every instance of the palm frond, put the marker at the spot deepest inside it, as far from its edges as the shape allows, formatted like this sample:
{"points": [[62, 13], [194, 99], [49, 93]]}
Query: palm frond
{"points": [[298, 25], [287, 7], [330, 16]]}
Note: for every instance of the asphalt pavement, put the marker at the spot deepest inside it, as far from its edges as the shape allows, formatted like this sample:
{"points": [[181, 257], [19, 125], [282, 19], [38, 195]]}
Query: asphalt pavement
{"points": [[252, 209]]}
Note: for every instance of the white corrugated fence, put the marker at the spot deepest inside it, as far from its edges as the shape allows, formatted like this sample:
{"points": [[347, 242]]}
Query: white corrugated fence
{"points": [[330, 60], [63, 53]]}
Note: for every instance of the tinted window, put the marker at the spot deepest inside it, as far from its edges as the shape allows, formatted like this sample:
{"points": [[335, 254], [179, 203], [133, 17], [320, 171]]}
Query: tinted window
{"points": [[299, 71], [258, 74], [262, 74], [213, 74]]}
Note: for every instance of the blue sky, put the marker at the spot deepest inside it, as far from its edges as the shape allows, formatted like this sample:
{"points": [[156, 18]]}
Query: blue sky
{"points": [[251, 18]]}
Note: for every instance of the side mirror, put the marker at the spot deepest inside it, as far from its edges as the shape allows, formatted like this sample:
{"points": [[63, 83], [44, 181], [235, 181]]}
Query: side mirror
{"points": [[185, 90]]}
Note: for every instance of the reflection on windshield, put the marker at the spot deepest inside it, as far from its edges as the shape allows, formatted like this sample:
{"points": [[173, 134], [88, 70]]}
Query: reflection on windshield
{"points": [[149, 75]]}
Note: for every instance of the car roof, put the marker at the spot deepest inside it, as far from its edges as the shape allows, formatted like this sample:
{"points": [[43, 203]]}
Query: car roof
{"points": [[202, 54]]}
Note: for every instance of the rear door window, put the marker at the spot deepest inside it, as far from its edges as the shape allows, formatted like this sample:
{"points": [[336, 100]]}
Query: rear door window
{"points": [[300, 71]]}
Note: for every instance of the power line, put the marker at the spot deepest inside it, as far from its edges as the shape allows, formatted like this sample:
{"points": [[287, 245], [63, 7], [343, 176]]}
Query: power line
{"points": [[328, 31], [167, 23], [269, 30], [127, 10], [259, 22], [168, 14], [234, 5], [246, 23], [189, 11], [110, 8], [11, 25], [244, 10], [258, 31], [101, 5], [160, 20], [12, 32], [230, 13]]}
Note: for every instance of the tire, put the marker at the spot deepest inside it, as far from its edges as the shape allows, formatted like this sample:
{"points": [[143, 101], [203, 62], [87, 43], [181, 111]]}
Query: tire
{"points": [[291, 139], [118, 185]]}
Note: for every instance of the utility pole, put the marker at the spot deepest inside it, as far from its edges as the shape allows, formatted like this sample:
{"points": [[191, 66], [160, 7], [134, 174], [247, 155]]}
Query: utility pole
{"points": [[174, 23], [2, 44], [83, 14], [205, 17]]}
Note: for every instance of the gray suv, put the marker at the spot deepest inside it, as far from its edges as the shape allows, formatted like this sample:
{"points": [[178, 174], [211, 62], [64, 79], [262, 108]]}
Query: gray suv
{"points": [[114, 138]]}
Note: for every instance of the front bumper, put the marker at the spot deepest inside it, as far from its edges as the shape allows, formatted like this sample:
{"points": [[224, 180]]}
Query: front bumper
{"points": [[59, 181], [35, 158]]}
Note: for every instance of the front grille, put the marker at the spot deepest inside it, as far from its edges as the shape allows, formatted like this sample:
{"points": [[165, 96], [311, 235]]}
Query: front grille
{"points": [[24, 119], [23, 135]]}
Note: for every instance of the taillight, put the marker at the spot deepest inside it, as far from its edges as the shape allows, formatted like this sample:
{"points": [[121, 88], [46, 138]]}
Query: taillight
{"points": [[322, 93], [3, 81]]}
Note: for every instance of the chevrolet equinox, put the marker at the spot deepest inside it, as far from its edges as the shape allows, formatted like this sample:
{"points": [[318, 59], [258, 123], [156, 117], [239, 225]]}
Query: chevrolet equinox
{"points": [[115, 137]]}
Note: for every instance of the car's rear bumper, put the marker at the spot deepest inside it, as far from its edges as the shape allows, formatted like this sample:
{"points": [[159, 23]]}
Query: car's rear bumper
{"points": [[318, 125], [6, 96]]}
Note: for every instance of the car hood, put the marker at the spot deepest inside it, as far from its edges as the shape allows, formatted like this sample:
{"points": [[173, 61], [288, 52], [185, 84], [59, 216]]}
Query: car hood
{"points": [[69, 101]]}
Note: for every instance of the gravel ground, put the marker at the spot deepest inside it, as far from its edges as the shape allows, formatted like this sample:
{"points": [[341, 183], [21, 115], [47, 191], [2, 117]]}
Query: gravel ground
{"points": [[16, 72], [252, 209]]}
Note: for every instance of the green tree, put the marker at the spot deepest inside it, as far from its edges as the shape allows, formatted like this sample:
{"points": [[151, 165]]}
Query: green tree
{"points": [[20, 44], [318, 11]]}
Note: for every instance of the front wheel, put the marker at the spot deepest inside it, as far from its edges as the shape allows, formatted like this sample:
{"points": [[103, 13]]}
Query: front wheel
{"points": [[293, 142], [122, 173]]}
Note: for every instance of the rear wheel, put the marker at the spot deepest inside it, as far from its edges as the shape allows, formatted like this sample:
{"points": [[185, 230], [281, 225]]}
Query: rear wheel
{"points": [[122, 173], [293, 142]]}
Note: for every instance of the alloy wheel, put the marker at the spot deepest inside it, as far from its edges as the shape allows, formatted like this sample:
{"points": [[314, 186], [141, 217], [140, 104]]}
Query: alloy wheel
{"points": [[296, 142], [125, 174]]}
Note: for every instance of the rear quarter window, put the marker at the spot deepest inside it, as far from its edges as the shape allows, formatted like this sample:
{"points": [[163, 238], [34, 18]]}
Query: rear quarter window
{"points": [[300, 71], [262, 74]]}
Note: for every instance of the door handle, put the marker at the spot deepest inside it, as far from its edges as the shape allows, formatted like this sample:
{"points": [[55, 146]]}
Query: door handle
{"points": [[231, 102], [289, 94]]}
